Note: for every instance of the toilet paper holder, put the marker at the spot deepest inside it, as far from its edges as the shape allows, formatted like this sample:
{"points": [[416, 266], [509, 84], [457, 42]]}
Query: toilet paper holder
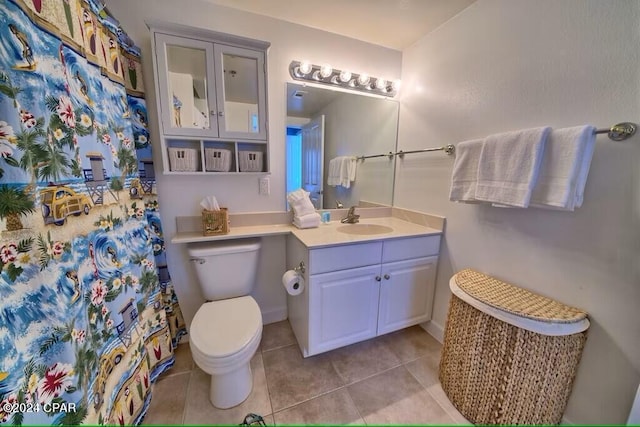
{"points": [[300, 268]]}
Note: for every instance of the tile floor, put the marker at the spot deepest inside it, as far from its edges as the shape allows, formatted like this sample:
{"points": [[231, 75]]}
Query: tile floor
{"points": [[391, 379]]}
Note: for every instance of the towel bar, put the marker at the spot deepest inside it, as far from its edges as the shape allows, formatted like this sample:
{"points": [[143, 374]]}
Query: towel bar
{"points": [[617, 132], [620, 131]]}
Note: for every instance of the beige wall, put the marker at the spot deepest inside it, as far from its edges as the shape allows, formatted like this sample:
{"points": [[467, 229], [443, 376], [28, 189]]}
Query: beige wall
{"points": [[508, 64], [179, 195]]}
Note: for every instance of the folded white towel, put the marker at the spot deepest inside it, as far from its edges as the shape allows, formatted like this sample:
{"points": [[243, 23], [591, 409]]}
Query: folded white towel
{"points": [[300, 202], [564, 169], [342, 171], [307, 221], [509, 165], [465, 171]]}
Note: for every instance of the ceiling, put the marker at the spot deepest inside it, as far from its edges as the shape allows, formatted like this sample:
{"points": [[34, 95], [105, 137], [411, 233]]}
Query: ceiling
{"points": [[395, 24], [309, 99]]}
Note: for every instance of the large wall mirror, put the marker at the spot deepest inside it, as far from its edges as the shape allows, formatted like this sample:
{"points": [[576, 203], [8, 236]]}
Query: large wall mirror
{"points": [[323, 125]]}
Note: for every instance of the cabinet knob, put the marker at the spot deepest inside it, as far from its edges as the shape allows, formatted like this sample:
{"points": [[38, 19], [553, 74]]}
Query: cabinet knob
{"points": [[212, 112], [221, 113], [378, 278], [387, 277]]}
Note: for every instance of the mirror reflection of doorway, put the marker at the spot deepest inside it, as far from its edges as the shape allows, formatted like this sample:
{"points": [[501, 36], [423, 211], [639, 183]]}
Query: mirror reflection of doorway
{"points": [[305, 159], [293, 159]]}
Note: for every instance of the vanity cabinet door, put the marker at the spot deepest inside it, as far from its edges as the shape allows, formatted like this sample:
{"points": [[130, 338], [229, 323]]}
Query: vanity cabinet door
{"points": [[186, 86], [241, 93], [343, 307], [406, 293]]}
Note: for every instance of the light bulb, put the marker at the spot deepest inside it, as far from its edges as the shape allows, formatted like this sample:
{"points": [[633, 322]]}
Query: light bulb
{"points": [[345, 76], [325, 71], [363, 79], [381, 84], [395, 85], [305, 67]]}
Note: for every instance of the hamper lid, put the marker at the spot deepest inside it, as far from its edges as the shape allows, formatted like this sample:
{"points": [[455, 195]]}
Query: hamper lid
{"points": [[517, 306]]}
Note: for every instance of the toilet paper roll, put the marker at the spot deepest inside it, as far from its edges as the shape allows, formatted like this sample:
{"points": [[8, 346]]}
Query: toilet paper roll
{"points": [[293, 282]]}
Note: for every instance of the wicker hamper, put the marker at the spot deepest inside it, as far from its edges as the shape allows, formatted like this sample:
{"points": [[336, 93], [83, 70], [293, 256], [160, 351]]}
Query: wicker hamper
{"points": [[509, 356]]}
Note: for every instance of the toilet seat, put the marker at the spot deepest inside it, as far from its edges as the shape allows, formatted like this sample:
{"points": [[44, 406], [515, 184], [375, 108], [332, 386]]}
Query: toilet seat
{"points": [[222, 332]]}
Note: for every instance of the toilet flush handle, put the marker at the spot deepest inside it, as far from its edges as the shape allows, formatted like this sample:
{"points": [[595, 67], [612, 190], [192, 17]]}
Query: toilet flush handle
{"points": [[198, 260]]}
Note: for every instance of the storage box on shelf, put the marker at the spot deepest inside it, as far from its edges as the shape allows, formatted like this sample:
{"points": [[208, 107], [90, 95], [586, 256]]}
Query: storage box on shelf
{"points": [[183, 159], [217, 159], [250, 161]]}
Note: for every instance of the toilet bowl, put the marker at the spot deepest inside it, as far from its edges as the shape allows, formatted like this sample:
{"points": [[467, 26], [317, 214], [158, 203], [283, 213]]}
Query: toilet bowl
{"points": [[224, 337], [226, 330]]}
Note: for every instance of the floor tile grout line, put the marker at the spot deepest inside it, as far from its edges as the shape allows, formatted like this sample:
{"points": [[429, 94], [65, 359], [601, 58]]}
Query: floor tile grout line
{"points": [[266, 380], [353, 402], [277, 348], [173, 374], [372, 375], [345, 386], [452, 416], [307, 400], [184, 409]]}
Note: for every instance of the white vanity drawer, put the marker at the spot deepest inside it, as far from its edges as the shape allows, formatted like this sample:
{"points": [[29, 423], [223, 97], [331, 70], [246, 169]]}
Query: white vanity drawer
{"points": [[344, 257], [413, 247]]}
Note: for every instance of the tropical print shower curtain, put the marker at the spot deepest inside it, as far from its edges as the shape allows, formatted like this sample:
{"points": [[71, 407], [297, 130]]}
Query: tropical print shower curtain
{"points": [[88, 316]]}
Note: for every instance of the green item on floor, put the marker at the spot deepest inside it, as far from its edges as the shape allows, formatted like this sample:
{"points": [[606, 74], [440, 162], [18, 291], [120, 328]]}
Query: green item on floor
{"points": [[253, 419]]}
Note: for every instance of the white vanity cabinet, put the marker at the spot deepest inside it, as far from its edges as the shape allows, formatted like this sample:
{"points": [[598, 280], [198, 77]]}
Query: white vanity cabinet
{"points": [[359, 291], [343, 307], [212, 96]]}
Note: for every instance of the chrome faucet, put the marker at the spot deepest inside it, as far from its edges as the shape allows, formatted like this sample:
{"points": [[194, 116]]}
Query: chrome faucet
{"points": [[351, 217], [339, 204]]}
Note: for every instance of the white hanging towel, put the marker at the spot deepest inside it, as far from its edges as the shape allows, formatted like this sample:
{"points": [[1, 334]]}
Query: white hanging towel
{"points": [[509, 166], [564, 170], [465, 171], [333, 177], [342, 171]]}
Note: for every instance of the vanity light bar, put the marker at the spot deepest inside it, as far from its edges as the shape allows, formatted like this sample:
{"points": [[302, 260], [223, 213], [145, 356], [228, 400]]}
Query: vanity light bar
{"points": [[325, 74]]}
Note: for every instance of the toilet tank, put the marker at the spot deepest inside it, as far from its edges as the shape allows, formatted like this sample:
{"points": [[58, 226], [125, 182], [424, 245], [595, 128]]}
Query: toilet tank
{"points": [[226, 269]]}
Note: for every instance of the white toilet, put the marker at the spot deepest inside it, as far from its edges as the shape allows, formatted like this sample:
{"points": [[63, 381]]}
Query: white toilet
{"points": [[226, 330]]}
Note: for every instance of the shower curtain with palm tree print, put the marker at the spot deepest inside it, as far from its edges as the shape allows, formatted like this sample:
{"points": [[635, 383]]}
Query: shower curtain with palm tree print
{"points": [[88, 316]]}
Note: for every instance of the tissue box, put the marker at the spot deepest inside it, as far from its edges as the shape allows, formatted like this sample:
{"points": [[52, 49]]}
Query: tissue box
{"points": [[215, 222]]}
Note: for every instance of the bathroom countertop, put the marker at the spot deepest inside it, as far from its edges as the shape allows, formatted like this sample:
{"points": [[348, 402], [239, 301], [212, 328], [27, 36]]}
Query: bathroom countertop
{"points": [[328, 234], [324, 235], [235, 233]]}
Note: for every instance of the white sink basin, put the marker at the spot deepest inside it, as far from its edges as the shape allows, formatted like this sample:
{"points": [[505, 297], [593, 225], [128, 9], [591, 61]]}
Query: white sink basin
{"points": [[364, 229]]}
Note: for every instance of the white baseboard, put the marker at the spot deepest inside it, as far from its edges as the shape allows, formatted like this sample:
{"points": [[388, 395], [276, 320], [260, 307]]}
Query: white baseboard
{"points": [[274, 315], [434, 329]]}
